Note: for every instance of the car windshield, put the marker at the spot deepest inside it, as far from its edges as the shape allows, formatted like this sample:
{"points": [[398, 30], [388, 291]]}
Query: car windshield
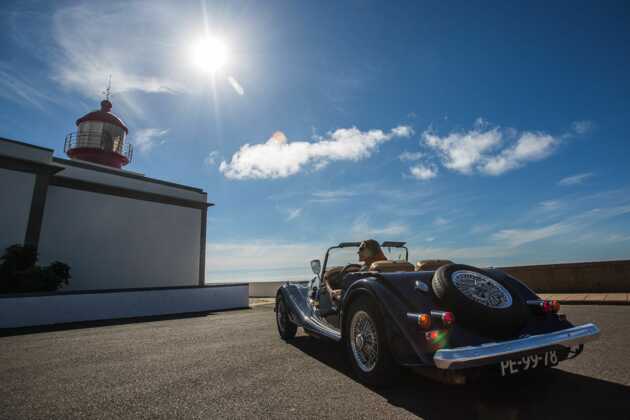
{"points": [[348, 255]]}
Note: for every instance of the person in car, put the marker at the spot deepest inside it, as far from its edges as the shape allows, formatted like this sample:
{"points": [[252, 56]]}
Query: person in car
{"points": [[370, 252]]}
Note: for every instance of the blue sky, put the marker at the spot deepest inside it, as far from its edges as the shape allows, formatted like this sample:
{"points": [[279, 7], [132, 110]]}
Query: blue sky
{"points": [[487, 133]]}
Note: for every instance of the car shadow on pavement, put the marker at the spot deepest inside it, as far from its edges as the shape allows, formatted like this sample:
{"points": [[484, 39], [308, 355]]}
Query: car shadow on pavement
{"points": [[553, 394]]}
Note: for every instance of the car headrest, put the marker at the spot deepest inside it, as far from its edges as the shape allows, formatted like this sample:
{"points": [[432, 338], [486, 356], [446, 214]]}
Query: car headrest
{"points": [[391, 266], [431, 265]]}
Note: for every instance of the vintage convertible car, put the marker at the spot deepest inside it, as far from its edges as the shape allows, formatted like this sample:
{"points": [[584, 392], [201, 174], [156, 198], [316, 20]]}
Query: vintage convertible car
{"points": [[448, 321]]}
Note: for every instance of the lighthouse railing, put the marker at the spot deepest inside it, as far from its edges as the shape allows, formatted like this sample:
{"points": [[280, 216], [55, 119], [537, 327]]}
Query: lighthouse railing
{"points": [[98, 140]]}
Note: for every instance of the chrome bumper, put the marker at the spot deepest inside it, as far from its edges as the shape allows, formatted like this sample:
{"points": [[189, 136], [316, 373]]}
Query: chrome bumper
{"points": [[462, 357]]}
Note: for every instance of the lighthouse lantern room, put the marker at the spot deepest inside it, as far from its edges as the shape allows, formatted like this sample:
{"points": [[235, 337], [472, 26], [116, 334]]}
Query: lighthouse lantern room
{"points": [[100, 138]]}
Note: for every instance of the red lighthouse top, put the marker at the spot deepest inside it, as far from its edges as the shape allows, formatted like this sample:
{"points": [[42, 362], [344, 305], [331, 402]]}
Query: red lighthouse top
{"points": [[100, 138], [104, 115]]}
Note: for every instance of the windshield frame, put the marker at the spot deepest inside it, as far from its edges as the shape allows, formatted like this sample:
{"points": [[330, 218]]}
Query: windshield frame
{"points": [[385, 244]]}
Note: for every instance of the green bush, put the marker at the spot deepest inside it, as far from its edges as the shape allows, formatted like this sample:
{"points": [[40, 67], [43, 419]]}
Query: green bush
{"points": [[19, 272]]}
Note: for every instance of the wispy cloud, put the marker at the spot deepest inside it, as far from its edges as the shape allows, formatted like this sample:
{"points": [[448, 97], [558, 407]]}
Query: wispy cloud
{"points": [[145, 139], [212, 158], [550, 205], [361, 228], [331, 195], [18, 89], [280, 158], [575, 179], [491, 151], [440, 221], [518, 237], [409, 156], [423, 172], [582, 127], [293, 213]]}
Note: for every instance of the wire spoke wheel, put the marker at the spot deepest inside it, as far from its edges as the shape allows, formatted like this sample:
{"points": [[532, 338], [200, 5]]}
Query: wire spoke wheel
{"points": [[286, 328], [281, 315], [364, 341]]}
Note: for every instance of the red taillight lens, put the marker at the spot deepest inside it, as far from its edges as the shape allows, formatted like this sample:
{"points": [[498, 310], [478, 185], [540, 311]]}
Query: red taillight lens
{"points": [[448, 319], [546, 306], [424, 321], [555, 306]]}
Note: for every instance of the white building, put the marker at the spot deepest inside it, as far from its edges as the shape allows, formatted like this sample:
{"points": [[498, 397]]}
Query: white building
{"points": [[135, 245]]}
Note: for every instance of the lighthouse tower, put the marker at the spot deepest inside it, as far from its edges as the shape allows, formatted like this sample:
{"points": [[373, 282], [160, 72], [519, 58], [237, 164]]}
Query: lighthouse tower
{"points": [[100, 138]]}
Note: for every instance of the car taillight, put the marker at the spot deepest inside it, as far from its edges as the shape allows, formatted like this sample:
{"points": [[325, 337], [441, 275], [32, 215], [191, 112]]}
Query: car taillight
{"points": [[555, 306], [448, 319], [424, 321], [545, 306], [421, 320]]}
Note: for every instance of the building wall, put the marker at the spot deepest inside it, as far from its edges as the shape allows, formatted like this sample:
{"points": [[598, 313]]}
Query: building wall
{"points": [[16, 193], [115, 242]]}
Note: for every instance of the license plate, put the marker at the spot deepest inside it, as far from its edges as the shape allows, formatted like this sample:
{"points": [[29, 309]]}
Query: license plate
{"points": [[531, 361]]}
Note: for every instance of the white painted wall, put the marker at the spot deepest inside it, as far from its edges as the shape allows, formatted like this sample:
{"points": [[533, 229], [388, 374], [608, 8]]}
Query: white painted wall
{"points": [[16, 193], [45, 310], [114, 242]]}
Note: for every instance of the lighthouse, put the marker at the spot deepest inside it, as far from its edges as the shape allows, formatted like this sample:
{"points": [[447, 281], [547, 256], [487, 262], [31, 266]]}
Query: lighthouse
{"points": [[100, 138]]}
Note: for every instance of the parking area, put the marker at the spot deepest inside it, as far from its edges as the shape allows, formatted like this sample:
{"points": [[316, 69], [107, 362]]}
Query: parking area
{"points": [[233, 365]]}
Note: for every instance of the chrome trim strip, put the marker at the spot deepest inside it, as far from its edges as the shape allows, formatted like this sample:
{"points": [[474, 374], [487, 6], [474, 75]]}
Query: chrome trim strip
{"points": [[472, 355]]}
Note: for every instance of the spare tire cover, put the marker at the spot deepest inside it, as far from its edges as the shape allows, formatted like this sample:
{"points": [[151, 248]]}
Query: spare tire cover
{"points": [[480, 300]]}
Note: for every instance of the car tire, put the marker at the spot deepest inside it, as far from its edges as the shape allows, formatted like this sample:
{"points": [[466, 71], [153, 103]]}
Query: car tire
{"points": [[286, 328], [502, 320], [381, 369]]}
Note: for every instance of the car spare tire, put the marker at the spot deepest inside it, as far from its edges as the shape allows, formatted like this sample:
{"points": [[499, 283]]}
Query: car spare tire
{"points": [[480, 300]]}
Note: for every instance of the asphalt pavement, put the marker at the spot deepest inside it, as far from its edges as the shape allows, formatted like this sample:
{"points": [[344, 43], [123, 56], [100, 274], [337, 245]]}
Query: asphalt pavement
{"points": [[233, 365]]}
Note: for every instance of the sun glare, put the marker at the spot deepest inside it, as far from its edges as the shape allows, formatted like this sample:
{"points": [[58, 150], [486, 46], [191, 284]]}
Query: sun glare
{"points": [[209, 54]]}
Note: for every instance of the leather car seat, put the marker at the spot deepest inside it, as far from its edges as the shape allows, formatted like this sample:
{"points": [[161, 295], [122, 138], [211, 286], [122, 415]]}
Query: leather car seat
{"points": [[431, 265], [391, 266]]}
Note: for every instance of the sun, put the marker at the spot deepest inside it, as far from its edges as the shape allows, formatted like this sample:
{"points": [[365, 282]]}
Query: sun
{"points": [[209, 54]]}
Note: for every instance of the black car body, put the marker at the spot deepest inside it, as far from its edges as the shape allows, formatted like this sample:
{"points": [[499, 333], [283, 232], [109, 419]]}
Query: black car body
{"points": [[462, 336]]}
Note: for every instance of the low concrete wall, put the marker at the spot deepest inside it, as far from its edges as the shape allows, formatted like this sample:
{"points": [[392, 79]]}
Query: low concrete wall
{"points": [[47, 309], [266, 289], [594, 277]]}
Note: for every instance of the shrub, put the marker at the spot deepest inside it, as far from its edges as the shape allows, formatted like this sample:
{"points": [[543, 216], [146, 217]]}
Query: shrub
{"points": [[20, 273]]}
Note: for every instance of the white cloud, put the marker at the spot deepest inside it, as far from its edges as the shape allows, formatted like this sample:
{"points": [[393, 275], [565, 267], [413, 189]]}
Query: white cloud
{"points": [[582, 127], [529, 147], [574, 179], [462, 152], [484, 149], [279, 158], [331, 195], [212, 157], [293, 213], [408, 156], [145, 138], [423, 172]]}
